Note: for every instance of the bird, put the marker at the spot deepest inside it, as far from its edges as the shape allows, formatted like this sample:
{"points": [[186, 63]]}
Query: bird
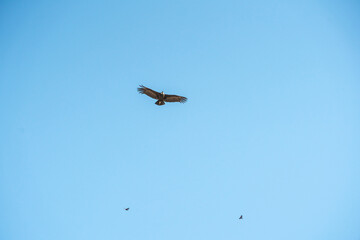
{"points": [[161, 97], [127, 209], [241, 217]]}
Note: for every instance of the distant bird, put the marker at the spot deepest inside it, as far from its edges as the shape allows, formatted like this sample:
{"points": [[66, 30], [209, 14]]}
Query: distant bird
{"points": [[241, 217], [161, 97], [127, 209]]}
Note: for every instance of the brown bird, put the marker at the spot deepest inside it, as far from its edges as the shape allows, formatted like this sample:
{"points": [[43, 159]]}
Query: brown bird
{"points": [[127, 209], [161, 97], [241, 217]]}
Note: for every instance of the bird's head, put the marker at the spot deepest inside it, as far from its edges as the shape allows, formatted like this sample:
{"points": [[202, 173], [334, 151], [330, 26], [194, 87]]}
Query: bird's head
{"points": [[163, 94]]}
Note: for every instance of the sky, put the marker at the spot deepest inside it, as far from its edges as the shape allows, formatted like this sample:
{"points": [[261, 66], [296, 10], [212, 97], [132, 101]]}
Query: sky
{"points": [[271, 129]]}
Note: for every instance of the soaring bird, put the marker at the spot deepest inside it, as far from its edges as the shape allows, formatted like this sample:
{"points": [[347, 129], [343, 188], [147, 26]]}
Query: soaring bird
{"points": [[127, 209], [241, 217], [161, 97]]}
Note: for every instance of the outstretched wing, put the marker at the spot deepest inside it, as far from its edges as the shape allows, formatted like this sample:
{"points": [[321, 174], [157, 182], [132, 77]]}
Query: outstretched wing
{"points": [[151, 93], [175, 98]]}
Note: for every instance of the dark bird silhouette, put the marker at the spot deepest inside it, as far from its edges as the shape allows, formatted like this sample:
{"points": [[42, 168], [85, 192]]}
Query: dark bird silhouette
{"points": [[127, 209], [241, 217], [161, 97]]}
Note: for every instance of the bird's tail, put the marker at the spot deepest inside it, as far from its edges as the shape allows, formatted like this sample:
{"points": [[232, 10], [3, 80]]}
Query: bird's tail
{"points": [[159, 102]]}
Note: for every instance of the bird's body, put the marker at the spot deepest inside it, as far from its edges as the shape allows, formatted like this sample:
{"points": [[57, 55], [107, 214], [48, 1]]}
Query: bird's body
{"points": [[161, 97], [241, 217], [127, 209]]}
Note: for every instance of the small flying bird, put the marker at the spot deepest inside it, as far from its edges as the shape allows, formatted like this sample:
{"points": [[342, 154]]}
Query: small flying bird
{"points": [[161, 97], [241, 217], [127, 209]]}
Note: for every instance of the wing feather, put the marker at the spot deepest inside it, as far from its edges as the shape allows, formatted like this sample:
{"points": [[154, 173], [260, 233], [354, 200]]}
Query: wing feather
{"points": [[175, 98], [151, 93]]}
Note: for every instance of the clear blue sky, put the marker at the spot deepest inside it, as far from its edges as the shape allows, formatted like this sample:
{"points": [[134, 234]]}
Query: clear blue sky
{"points": [[271, 129]]}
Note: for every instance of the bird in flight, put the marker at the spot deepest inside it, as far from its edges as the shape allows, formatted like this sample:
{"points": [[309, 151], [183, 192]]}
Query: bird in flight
{"points": [[127, 209], [161, 97], [241, 217]]}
